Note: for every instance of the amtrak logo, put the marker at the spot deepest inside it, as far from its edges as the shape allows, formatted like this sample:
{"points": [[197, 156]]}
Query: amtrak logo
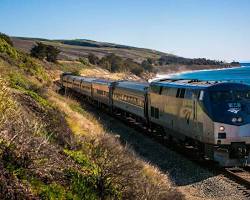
{"points": [[234, 110], [234, 107]]}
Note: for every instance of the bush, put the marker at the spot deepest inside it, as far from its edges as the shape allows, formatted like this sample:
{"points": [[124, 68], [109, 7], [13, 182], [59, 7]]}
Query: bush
{"points": [[7, 105], [147, 65], [115, 63], [6, 38], [42, 51], [93, 59], [84, 61], [52, 53], [166, 60], [5, 47], [17, 80], [39, 51]]}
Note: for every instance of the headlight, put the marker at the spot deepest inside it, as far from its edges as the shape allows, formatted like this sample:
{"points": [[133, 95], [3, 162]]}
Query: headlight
{"points": [[234, 120], [240, 119], [222, 128]]}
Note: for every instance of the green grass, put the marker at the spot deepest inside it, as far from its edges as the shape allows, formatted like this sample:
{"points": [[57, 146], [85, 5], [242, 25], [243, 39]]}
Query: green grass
{"points": [[40, 100], [52, 191], [81, 185], [33, 67], [7, 49], [73, 67], [18, 80], [79, 157], [77, 108], [88, 186]]}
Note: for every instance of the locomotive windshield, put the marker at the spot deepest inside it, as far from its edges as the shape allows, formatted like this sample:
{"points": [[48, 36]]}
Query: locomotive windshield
{"points": [[231, 95]]}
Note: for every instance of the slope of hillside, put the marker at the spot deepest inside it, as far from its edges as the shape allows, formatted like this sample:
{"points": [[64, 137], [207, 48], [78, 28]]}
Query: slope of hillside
{"points": [[51, 148], [161, 63], [73, 49]]}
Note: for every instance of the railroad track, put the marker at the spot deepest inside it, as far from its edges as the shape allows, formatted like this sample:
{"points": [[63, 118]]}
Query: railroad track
{"points": [[239, 177]]}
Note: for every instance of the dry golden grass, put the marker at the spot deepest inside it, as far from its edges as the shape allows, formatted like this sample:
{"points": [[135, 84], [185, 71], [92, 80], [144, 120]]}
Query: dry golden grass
{"points": [[102, 73], [80, 124], [135, 178]]}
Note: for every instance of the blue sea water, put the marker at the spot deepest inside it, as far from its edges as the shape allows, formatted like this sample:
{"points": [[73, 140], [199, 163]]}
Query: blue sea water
{"points": [[239, 74]]}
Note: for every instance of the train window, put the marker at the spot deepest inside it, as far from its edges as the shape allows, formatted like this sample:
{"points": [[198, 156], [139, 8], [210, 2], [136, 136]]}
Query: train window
{"points": [[172, 92], [178, 92], [152, 111], [242, 94], [155, 112], [155, 89], [221, 96], [182, 93], [160, 90], [188, 94], [165, 91], [248, 95]]}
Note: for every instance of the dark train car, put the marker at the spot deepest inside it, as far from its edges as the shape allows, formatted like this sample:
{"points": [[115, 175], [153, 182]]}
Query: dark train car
{"points": [[212, 115]]}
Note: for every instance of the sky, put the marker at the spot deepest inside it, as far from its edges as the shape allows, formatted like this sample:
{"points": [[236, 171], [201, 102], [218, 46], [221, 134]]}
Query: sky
{"points": [[214, 29]]}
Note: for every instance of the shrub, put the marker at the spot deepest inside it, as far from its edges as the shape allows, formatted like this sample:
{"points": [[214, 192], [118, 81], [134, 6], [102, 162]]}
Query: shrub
{"points": [[81, 185], [17, 80], [39, 51], [93, 59], [84, 61], [33, 67], [42, 51], [6, 38], [147, 65], [7, 105], [5, 47], [52, 53], [115, 63]]}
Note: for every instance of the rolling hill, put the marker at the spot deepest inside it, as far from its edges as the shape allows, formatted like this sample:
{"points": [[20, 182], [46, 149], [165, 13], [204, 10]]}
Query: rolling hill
{"points": [[73, 49], [163, 63]]}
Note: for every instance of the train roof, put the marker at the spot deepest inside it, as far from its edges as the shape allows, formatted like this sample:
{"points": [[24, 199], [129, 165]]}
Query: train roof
{"points": [[132, 85], [103, 81], [88, 79], [191, 83]]}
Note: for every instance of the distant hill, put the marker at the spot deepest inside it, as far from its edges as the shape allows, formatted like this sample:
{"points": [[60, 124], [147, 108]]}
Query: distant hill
{"points": [[73, 49]]}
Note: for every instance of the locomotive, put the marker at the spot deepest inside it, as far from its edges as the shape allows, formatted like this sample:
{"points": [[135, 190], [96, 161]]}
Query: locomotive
{"points": [[211, 116]]}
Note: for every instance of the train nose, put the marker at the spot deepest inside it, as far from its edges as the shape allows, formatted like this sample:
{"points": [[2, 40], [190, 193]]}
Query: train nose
{"points": [[227, 133]]}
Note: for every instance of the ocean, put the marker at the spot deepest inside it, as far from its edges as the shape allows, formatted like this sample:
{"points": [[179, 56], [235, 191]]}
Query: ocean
{"points": [[239, 74]]}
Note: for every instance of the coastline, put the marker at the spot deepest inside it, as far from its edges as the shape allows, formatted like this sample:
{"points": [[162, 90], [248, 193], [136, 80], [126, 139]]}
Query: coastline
{"points": [[170, 75]]}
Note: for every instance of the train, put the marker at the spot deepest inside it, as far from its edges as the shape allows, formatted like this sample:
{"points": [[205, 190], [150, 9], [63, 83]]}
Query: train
{"points": [[212, 117]]}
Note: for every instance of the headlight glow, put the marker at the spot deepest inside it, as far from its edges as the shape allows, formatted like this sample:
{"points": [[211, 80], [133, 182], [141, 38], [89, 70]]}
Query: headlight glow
{"points": [[234, 120], [222, 128], [240, 119]]}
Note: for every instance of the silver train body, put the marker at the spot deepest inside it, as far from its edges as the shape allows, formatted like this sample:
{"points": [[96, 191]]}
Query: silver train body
{"points": [[213, 117]]}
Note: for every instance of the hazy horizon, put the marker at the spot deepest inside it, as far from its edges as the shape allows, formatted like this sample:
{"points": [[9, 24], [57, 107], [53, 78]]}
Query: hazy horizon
{"points": [[212, 29]]}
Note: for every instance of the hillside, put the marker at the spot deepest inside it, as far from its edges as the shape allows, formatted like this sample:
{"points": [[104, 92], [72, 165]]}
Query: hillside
{"points": [[140, 61], [51, 147], [73, 49]]}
